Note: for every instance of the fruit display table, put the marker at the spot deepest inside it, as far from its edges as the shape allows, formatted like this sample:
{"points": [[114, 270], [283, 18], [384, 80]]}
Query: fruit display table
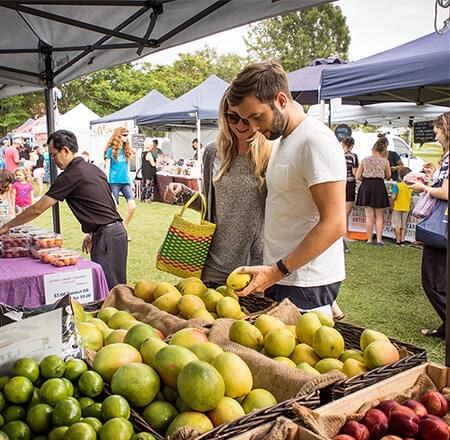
{"points": [[162, 180], [22, 280]]}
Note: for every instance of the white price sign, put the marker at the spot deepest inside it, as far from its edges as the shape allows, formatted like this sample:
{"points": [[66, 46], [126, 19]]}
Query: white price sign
{"points": [[76, 283]]}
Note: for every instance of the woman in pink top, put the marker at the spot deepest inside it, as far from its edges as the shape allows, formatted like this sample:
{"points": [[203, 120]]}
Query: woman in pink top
{"points": [[372, 192], [22, 191]]}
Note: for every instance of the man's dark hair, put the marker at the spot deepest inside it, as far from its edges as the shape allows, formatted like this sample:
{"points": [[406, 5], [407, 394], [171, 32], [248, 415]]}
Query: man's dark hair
{"points": [[155, 141], [263, 80], [63, 138]]}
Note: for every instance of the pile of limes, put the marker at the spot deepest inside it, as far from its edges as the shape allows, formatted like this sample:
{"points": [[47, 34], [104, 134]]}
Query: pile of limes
{"points": [[57, 399]]}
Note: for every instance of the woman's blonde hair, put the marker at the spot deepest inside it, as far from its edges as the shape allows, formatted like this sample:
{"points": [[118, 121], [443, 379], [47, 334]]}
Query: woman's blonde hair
{"points": [[381, 144], [115, 142], [227, 146]]}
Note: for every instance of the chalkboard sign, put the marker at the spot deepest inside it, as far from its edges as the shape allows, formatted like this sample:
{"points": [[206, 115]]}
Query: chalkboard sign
{"points": [[423, 132], [137, 141], [342, 131]]}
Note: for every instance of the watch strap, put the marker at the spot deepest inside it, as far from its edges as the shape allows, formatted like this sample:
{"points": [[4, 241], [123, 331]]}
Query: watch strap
{"points": [[283, 269]]}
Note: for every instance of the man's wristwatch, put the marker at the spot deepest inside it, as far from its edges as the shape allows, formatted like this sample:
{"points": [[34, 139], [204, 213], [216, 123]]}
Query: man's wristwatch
{"points": [[282, 268]]}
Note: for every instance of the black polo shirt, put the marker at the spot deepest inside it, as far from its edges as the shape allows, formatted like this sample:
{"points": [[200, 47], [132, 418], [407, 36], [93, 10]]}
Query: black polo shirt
{"points": [[88, 194]]}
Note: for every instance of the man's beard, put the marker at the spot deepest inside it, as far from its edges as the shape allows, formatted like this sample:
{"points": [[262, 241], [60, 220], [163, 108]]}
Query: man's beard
{"points": [[278, 125]]}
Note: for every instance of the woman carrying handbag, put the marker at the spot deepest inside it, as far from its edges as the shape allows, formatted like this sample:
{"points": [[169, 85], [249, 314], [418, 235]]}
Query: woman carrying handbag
{"points": [[434, 256]]}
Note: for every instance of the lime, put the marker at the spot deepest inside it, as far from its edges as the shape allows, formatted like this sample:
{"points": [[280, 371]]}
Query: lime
{"points": [[66, 412], [85, 402], [18, 389], [115, 406], [143, 436], [57, 433], [13, 412], [2, 401], [3, 380], [39, 418], [117, 428], [27, 367], [81, 431], [94, 422], [74, 369], [35, 398], [53, 390], [17, 430], [69, 385], [159, 415], [94, 410], [52, 366], [2, 422], [90, 383]]}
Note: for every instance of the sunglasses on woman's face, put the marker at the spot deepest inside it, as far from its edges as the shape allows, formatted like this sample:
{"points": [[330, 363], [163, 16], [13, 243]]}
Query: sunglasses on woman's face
{"points": [[234, 118], [125, 134]]}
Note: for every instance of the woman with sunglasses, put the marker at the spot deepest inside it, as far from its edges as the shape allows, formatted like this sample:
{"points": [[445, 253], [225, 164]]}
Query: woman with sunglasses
{"points": [[234, 170], [118, 153]]}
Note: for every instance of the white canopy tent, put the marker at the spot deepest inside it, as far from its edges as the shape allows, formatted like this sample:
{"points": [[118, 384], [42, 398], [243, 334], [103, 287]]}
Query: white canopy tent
{"points": [[386, 114]]}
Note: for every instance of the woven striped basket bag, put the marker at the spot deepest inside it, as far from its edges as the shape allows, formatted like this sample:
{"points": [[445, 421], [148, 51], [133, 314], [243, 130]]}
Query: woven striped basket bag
{"points": [[186, 245]]}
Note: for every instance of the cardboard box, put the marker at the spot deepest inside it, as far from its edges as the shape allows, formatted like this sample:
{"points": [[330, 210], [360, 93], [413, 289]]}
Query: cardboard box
{"points": [[351, 403]]}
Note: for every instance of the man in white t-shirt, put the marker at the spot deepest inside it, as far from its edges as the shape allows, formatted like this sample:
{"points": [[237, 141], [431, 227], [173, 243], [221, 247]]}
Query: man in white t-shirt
{"points": [[305, 209]]}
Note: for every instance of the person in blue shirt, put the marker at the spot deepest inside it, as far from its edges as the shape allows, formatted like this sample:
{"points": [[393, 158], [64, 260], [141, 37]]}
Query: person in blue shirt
{"points": [[118, 153]]}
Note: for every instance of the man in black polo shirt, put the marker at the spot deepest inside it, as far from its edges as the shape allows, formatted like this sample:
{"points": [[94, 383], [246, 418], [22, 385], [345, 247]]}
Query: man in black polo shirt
{"points": [[88, 195]]}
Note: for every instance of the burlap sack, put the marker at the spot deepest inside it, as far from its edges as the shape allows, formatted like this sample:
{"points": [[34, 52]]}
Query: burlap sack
{"points": [[282, 381], [328, 426], [286, 311], [281, 429], [121, 297]]}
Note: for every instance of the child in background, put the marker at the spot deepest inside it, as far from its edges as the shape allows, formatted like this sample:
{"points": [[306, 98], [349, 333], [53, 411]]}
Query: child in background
{"points": [[22, 190], [401, 198]]}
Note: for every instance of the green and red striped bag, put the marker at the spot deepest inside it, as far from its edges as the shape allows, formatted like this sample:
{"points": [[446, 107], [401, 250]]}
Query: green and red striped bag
{"points": [[186, 245]]}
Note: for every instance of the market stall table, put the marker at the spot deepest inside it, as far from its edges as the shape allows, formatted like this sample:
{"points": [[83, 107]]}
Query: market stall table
{"points": [[22, 280], [162, 180]]}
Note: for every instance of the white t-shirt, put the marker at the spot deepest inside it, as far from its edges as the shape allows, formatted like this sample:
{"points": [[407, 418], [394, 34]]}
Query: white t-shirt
{"points": [[310, 155]]}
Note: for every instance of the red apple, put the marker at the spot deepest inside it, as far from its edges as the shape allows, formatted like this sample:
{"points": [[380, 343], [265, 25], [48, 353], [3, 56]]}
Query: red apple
{"points": [[417, 407], [356, 430], [433, 428], [435, 403], [403, 422], [391, 437], [376, 422], [343, 437], [387, 406]]}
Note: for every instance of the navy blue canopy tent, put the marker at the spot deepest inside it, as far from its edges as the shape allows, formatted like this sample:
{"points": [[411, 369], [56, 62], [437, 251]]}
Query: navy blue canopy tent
{"points": [[199, 104], [418, 71], [152, 100], [304, 83]]}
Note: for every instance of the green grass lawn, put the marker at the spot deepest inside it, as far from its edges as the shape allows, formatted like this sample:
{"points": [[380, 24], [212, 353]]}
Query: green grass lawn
{"points": [[382, 289]]}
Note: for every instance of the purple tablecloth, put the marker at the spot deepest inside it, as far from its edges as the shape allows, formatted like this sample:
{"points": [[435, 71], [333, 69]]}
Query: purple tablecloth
{"points": [[22, 280]]}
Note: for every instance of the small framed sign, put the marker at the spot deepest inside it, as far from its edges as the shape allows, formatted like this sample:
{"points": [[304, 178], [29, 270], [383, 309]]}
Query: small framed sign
{"points": [[423, 132], [342, 131]]}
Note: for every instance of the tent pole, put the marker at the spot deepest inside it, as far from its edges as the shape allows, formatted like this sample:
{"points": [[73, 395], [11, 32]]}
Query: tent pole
{"points": [[199, 150], [447, 321], [50, 114], [329, 113]]}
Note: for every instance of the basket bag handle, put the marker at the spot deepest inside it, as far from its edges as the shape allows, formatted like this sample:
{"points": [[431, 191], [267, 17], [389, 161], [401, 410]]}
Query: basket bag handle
{"points": [[192, 200]]}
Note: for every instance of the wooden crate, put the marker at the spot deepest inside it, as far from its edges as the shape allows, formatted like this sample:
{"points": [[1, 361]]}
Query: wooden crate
{"points": [[351, 403]]}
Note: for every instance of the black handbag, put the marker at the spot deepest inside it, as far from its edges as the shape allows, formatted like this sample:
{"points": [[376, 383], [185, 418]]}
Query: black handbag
{"points": [[138, 175]]}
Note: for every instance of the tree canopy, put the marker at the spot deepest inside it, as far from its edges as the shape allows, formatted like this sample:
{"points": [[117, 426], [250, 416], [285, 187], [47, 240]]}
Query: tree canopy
{"points": [[298, 38]]}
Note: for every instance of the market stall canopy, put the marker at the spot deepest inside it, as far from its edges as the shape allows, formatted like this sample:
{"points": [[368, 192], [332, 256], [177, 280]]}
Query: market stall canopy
{"points": [[304, 83], [55, 41], [152, 100], [395, 114], [202, 102], [418, 71]]}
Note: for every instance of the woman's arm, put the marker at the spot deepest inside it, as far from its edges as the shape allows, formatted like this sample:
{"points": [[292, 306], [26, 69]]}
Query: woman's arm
{"points": [[439, 193], [387, 170], [149, 158], [359, 171]]}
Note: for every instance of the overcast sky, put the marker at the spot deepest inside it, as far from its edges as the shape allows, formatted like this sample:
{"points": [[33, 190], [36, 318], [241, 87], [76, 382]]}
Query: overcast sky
{"points": [[375, 25]]}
